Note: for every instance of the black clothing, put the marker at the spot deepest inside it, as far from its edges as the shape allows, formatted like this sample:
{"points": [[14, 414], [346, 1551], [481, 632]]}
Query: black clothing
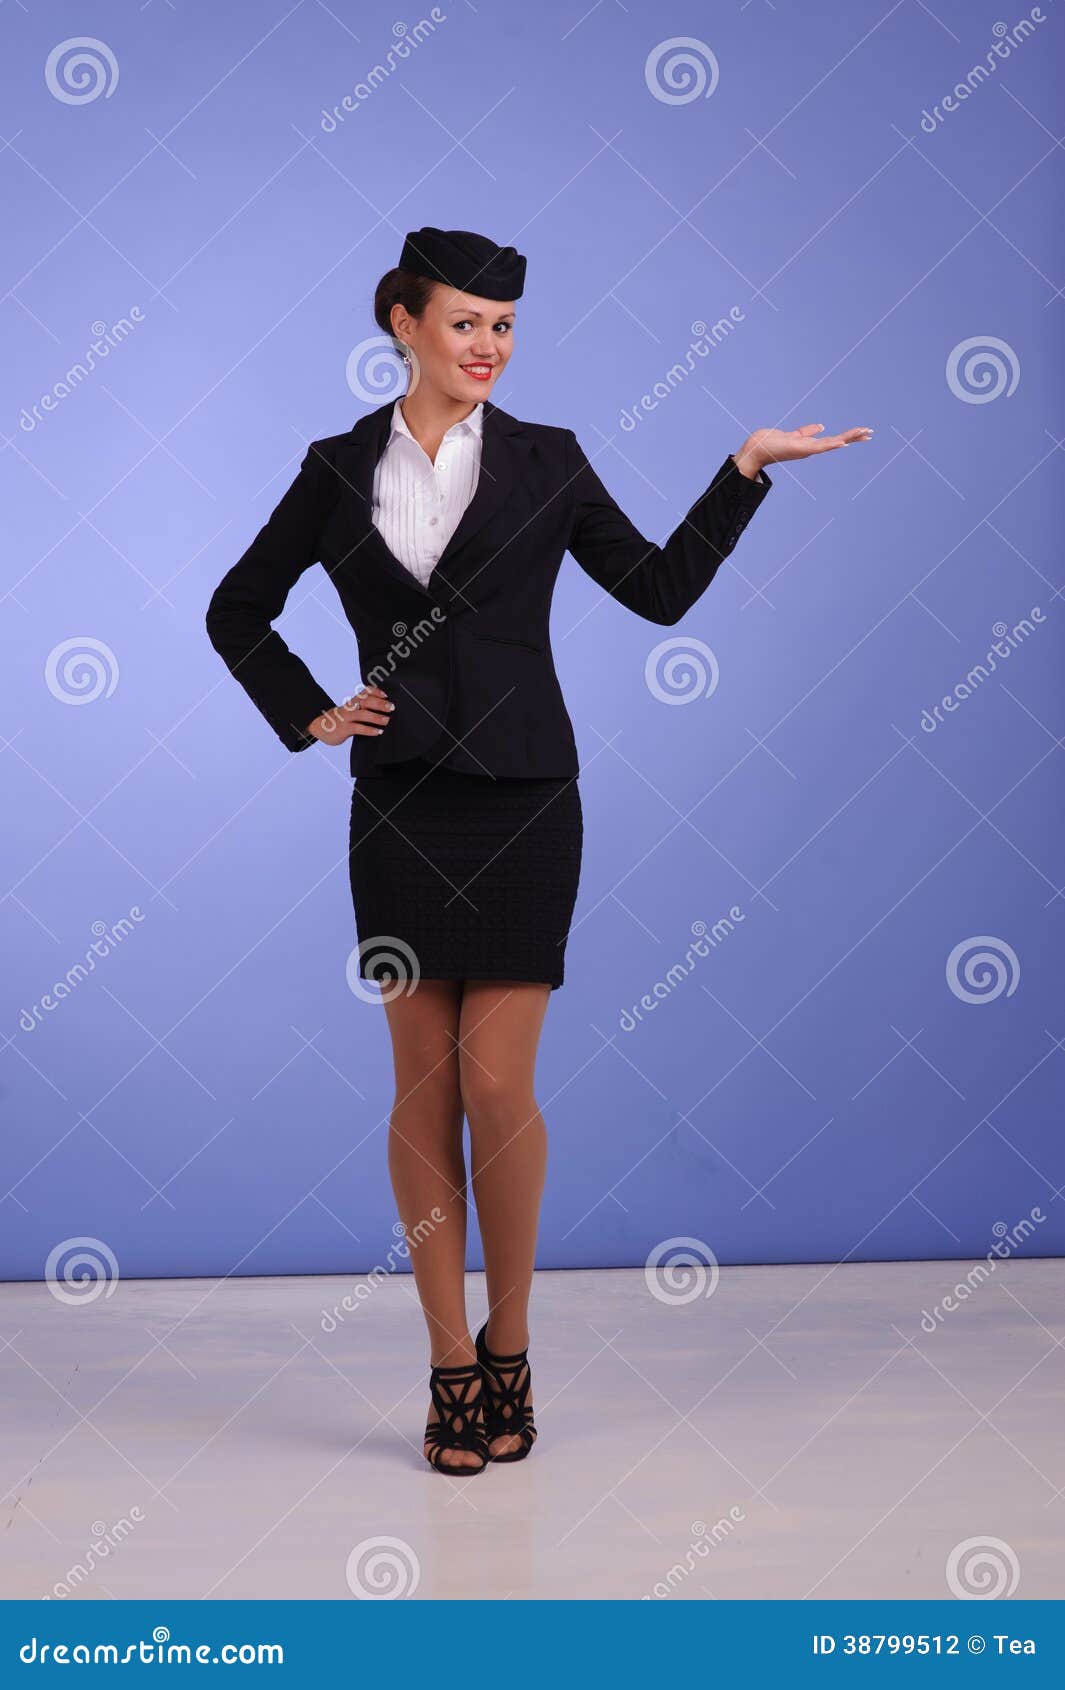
{"points": [[471, 263], [467, 659], [462, 877]]}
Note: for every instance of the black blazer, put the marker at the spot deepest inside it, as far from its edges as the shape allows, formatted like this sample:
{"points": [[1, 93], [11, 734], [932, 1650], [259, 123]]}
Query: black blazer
{"points": [[467, 660]]}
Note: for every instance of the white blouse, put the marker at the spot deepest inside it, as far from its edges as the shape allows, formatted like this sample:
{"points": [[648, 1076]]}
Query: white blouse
{"points": [[417, 504]]}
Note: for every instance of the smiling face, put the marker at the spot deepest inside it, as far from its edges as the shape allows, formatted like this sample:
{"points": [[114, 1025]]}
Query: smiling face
{"points": [[461, 342]]}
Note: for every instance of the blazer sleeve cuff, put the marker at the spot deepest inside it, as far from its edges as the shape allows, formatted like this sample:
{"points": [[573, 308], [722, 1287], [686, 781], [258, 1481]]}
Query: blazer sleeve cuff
{"points": [[742, 485], [291, 726], [299, 740]]}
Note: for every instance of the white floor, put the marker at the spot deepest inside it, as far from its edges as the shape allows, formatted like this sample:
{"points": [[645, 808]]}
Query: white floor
{"points": [[795, 1434]]}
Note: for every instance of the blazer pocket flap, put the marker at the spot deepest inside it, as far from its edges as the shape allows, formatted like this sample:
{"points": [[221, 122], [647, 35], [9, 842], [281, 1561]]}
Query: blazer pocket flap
{"points": [[508, 639]]}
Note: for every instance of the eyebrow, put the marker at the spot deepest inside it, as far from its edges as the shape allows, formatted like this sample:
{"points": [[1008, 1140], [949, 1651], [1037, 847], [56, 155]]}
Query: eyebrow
{"points": [[458, 310]]}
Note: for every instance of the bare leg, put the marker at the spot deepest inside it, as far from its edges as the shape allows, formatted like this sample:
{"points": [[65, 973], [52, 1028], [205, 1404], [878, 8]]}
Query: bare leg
{"points": [[499, 1031], [427, 1166]]}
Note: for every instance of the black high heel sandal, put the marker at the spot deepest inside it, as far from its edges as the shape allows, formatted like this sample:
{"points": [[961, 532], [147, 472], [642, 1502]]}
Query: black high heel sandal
{"points": [[460, 1422], [508, 1412]]}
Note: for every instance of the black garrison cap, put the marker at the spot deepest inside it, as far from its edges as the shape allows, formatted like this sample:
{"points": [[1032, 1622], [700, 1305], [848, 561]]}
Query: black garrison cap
{"points": [[471, 263]]}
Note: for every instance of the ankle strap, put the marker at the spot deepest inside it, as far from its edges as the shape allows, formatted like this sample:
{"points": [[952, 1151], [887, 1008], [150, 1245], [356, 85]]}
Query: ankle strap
{"points": [[514, 1360]]}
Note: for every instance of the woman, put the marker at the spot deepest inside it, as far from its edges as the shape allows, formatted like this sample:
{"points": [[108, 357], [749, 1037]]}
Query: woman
{"points": [[443, 522]]}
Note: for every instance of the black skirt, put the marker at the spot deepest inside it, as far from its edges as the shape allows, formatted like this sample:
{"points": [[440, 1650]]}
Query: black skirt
{"points": [[461, 876]]}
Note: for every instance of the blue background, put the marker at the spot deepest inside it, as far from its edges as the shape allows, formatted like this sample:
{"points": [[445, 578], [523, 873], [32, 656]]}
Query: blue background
{"points": [[214, 1098]]}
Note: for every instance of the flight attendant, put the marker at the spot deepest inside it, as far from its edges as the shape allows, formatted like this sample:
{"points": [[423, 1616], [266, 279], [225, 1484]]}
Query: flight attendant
{"points": [[443, 521]]}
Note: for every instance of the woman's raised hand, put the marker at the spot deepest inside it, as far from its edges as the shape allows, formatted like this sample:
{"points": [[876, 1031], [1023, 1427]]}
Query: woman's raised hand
{"points": [[367, 712], [779, 445]]}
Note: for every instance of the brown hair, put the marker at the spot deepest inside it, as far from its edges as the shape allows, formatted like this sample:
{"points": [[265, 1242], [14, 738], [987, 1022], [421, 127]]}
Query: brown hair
{"points": [[400, 287]]}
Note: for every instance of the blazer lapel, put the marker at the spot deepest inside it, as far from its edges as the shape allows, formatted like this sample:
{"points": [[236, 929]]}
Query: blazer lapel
{"points": [[503, 442], [356, 462]]}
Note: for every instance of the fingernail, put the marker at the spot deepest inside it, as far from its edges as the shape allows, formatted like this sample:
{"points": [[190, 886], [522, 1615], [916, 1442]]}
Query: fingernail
{"points": [[380, 730]]}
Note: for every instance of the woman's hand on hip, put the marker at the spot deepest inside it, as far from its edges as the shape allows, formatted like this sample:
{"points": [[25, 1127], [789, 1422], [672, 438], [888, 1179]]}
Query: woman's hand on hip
{"points": [[779, 445], [367, 712]]}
